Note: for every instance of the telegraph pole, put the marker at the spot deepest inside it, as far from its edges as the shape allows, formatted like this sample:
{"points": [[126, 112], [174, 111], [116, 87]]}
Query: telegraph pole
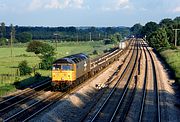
{"points": [[55, 34], [11, 46], [77, 38], [90, 36], [175, 43]]}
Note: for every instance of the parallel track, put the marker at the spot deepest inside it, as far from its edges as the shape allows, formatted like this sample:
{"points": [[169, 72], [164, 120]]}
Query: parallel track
{"points": [[33, 109], [149, 59], [128, 69], [144, 85], [125, 102], [25, 101], [25, 94], [123, 106]]}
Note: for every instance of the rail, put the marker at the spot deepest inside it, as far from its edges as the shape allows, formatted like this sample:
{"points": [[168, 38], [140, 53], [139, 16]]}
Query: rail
{"points": [[114, 88]]}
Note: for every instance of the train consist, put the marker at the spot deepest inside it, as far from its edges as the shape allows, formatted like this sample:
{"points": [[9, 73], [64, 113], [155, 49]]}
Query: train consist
{"points": [[72, 70]]}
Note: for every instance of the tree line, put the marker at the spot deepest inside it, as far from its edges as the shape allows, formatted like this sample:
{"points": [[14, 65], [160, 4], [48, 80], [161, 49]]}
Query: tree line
{"points": [[25, 34], [160, 36]]}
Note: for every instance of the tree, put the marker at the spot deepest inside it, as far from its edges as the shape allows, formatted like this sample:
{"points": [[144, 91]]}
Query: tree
{"points": [[177, 20], [168, 25], [177, 26], [159, 39], [24, 69], [47, 56], [166, 22], [149, 28], [46, 53], [109, 31], [34, 46], [116, 38], [136, 29], [24, 37], [3, 30]]}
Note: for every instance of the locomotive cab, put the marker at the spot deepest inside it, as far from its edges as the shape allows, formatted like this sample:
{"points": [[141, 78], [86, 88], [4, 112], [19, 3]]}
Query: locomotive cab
{"points": [[65, 71]]}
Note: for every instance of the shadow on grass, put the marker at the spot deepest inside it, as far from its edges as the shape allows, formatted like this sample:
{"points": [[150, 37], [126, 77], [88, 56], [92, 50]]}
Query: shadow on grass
{"points": [[30, 82]]}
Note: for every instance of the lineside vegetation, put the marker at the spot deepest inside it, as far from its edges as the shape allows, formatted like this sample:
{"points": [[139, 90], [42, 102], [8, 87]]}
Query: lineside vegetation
{"points": [[20, 54], [161, 36]]}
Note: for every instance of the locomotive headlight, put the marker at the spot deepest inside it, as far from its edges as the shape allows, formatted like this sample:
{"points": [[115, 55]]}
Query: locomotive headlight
{"points": [[53, 74]]}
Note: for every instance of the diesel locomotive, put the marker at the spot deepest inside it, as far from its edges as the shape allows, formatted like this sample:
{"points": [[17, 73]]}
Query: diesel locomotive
{"points": [[73, 69], [67, 70]]}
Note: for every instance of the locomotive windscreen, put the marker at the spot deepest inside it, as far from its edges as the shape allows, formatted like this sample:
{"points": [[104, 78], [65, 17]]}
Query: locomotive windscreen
{"points": [[72, 59]]}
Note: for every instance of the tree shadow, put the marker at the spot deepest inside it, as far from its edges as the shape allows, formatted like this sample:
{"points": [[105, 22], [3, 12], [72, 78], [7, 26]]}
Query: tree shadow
{"points": [[30, 82], [78, 106]]}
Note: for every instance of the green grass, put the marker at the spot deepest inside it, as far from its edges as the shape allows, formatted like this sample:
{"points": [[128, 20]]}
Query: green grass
{"points": [[8, 64], [172, 57], [6, 88]]}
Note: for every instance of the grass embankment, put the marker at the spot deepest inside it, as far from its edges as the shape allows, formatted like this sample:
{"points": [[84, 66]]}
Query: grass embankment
{"points": [[9, 65], [172, 57]]}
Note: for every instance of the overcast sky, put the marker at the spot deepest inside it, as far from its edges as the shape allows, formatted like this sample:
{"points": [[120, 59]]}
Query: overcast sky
{"points": [[86, 12]]}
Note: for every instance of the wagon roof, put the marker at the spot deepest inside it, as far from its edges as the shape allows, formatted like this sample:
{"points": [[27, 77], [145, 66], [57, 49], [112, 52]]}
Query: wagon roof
{"points": [[72, 58]]}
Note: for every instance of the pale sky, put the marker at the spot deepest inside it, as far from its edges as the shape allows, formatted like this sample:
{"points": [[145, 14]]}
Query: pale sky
{"points": [[86, 12]]}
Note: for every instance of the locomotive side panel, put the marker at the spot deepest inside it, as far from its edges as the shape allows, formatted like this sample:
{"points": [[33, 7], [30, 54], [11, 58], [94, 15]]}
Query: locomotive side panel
{"points": [[82, 68]]}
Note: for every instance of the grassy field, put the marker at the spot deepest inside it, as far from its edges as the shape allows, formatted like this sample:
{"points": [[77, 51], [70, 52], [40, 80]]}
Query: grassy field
{"points": [[8, 64], [172, 57]]}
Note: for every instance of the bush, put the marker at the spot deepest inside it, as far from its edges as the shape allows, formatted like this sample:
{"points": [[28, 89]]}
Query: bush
{"points": [[46, 53], [2, 41], [108, 41], [37, 75], [24, 69], [95, 52]]}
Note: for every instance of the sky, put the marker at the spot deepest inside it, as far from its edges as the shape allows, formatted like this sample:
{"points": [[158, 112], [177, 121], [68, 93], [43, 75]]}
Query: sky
{"points": [[53, 13]]}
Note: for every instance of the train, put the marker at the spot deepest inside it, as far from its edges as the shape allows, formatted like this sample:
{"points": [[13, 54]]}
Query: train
{"points": [[72, 70], [69, 69], [122, 44]]}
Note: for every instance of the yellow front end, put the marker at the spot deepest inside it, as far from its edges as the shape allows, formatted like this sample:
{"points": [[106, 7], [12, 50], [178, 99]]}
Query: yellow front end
{"points": [[59, 75], [63, 73]]}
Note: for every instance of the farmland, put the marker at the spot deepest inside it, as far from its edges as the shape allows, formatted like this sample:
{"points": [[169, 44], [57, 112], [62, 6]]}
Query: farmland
{"points": [[9, 65]]}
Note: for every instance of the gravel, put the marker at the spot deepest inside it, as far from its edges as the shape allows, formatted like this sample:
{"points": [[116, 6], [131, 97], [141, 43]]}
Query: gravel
{"points": [[168, 100], [74, 106]]}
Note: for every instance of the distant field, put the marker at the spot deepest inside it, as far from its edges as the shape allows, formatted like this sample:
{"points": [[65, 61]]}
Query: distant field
{"points": [[9, 65], [172, 57], [63, 49]]}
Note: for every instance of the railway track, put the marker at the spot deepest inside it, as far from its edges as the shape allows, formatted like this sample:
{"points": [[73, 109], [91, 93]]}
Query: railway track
{"points": [[152, 94], [20, 105], [119, 111], [104, 110], [33, 108], [112, 80], [144, 84], [125, 102], [25, 94]]}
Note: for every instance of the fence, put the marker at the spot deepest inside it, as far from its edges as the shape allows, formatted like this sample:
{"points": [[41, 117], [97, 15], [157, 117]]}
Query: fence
{"points": [[6, 81]]}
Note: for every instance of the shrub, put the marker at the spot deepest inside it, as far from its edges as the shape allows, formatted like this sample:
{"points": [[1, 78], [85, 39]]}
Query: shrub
{"points": [[108, 41], [2, 41], [37, 75], [46, 53], [24, 69], [95, 52]]}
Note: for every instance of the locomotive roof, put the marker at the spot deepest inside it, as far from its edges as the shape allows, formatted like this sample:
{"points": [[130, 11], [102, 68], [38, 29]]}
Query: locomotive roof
{"points": [[72, 58]]}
